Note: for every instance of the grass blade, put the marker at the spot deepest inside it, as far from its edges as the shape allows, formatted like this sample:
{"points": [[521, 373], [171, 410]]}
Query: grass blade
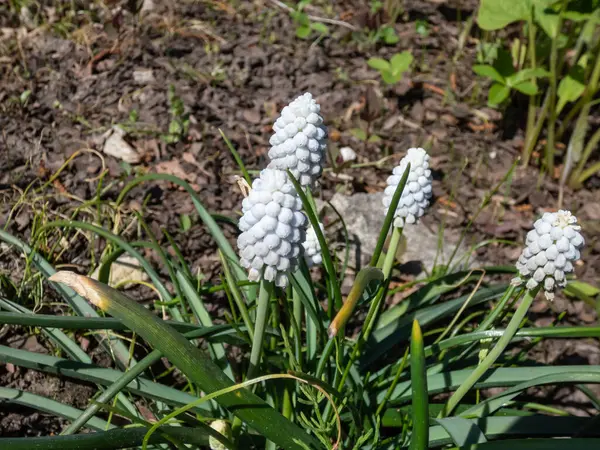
{"points": [[205, 216], [327, 260], [203, 318], [78, 303], [512, 427], [94, 374], [50, 406], [238, 159], [19, 316], [491, 405], [107, 440], [462, 431], [117, 240], [537, 444], [501, 377], [383, 339]]}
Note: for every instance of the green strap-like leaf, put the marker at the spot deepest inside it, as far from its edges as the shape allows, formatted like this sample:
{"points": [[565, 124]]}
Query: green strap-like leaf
{"points": [[420, 399], [193, 362], [504, 376], [107, 440], [50, 406]]}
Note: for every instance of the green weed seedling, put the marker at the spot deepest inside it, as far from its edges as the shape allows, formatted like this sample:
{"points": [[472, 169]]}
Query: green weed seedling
{"points": [[393, 70]]}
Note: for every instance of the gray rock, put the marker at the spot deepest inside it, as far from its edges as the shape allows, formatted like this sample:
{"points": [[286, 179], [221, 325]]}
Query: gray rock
{"points": [[363, 215]]}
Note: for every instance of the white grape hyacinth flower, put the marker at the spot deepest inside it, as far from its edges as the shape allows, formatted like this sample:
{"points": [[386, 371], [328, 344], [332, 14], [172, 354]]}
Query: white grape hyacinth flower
{"points": [[273, 228], [551, 249], [300, 140], [312, 248], [417, 192]]}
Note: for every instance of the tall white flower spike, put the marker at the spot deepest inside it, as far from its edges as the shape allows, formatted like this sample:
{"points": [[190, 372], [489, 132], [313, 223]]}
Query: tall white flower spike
{"points": [[300, 140], [552, 247], [312, 248], [417, 192], [273, 228]]}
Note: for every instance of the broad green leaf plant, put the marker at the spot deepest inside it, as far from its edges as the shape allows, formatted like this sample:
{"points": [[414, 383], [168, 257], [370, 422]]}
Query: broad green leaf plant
{"points": [[557, 65]]}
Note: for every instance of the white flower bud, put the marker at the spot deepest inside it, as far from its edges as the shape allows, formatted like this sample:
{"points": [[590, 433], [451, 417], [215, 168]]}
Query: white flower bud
{"points": [[272, 226], [417, 192], [223, 428], [300, 140], [552, 248], [312, 248]]}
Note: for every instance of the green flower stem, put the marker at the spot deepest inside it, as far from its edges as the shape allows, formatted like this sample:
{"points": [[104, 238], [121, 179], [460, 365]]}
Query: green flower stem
{"points": [[392, 386], [298, 313], [262, 315], [388, 264], [237, 295], [494, 353], [390, 256]]}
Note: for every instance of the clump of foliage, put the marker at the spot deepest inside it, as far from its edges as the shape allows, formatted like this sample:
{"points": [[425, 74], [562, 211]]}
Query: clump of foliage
{"points": [[556, 63], [309, 375]]}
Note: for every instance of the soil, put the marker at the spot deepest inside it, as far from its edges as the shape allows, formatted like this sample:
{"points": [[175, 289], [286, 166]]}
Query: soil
{"points": [[67, 80]]}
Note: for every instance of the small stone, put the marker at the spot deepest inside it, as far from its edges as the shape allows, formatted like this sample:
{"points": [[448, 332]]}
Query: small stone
{"points": [[117, 147], [143, 76]]}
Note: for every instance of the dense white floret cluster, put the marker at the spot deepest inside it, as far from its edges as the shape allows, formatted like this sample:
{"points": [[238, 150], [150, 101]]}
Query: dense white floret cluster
{"points": [[312, 248], [552, 247], [300, 140], [417, 192], [273, 228]]}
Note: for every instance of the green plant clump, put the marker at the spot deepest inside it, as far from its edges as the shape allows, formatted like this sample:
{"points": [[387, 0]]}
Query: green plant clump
{"points": [[556, 64], [313, 370]]}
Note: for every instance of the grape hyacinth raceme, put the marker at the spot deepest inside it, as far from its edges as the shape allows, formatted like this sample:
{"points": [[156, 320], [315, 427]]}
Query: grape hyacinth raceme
{"points": [[312, 248], [273, 228], [417, 192], [300, 140], [552, 247]]}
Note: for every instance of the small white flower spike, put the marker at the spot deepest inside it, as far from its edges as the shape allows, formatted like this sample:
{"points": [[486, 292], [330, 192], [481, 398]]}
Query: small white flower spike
{"points": [[312, 248], [417, 192], [552, 247], [273, 228], [300, 140], [222, 427]]}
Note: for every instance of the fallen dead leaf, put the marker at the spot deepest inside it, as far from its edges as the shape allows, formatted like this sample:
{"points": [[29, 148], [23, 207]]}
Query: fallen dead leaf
{"points": [[175, 168], [116, 146]]}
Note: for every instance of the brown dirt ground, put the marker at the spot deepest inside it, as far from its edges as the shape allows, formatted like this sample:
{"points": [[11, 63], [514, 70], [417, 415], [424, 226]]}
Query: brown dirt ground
{"points": [[235, 65]]}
